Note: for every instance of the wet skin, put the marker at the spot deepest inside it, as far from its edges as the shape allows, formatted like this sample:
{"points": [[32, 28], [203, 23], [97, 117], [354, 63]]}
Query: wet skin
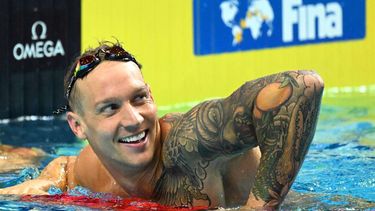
{"points": [[17, 158], [245, 149]]}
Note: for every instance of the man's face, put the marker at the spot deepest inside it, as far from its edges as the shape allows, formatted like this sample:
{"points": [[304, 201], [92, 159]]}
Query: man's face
{"points": [[119, 115]]}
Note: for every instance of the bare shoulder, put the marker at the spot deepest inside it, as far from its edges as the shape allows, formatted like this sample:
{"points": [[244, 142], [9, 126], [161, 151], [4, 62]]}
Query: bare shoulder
{"points": [[59, 164], [86, 165], [89, 172], [60, 172], [167, 122], [86, 157]]}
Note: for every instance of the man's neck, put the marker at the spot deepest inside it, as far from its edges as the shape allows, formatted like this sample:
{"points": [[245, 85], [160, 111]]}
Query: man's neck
{"points": [[139, 182]]}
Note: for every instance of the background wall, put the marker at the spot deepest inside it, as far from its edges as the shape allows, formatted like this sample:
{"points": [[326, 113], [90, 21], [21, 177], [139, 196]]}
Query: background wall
{"points": [[160, 34], [38, 40]]}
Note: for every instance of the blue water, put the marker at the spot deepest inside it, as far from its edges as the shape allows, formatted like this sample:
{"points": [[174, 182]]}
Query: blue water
{"points": [[338, 172]]}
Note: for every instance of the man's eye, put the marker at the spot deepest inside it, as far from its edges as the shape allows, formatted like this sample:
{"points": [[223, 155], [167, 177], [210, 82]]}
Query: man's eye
{"points": [[140, 98], [109, 109]]}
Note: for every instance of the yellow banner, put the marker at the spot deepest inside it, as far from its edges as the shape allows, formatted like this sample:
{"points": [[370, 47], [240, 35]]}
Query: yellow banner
{"points": [[160, 35]]}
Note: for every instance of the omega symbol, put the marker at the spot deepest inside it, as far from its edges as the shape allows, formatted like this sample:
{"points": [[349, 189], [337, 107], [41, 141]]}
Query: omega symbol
{"points": [[34, 33]]}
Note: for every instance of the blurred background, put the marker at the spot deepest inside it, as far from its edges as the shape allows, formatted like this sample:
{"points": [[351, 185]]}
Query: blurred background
{"points": [[188, 53], [190, 50]]}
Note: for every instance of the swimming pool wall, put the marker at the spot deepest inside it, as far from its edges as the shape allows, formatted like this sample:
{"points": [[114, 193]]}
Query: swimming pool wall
{"points": [[162, 35]]}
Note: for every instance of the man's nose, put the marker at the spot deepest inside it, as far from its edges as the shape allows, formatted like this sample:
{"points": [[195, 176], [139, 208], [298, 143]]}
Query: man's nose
{"points": [[132, 119]]}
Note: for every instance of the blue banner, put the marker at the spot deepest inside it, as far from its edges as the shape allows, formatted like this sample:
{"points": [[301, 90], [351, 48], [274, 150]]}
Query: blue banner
{"points": [[239, 25]]}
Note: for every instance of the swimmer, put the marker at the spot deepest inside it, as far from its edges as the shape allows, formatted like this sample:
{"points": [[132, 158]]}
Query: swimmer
{"points": [[243, 150]]}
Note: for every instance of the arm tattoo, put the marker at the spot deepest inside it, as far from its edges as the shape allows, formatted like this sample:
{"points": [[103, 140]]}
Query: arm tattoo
{"points": [[284, 134], [197, 138], [183, 175], [282, 130]]}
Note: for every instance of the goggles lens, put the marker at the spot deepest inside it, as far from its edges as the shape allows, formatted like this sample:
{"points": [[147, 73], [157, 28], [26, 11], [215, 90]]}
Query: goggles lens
{"points": [[85, 65]]}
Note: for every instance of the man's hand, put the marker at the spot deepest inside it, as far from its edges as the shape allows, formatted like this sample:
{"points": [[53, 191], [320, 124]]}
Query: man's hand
{"points": [[16, 158], [58, 173], [34, 187]]}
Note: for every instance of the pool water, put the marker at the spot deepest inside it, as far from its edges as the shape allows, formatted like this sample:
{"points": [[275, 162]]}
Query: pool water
{"points": [[338, 172]]}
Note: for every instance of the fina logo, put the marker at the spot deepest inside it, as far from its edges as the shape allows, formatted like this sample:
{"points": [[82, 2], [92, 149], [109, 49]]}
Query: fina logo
{"points": [[329, 19], [38, 49]]}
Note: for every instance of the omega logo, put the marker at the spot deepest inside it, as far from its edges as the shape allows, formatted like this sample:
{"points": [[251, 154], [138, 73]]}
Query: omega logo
{"points": [[41, 47]]}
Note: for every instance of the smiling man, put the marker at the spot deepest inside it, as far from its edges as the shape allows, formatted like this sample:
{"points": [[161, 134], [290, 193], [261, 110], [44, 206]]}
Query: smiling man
{"points": [[243, 150]]}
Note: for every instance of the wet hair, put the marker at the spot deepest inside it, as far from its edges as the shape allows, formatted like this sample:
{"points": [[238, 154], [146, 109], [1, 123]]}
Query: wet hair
{"points": [[74, 102]]}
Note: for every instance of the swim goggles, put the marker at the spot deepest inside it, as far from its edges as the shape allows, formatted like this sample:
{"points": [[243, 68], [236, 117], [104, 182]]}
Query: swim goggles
{"points": [[87, 63]]}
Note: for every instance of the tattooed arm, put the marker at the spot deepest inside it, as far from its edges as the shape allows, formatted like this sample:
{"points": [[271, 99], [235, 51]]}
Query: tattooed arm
{"points": [[283, 109], [278, 113]]}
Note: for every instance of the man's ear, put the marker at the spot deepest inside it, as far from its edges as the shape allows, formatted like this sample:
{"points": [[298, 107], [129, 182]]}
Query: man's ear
{"points": [[76, 125]]}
